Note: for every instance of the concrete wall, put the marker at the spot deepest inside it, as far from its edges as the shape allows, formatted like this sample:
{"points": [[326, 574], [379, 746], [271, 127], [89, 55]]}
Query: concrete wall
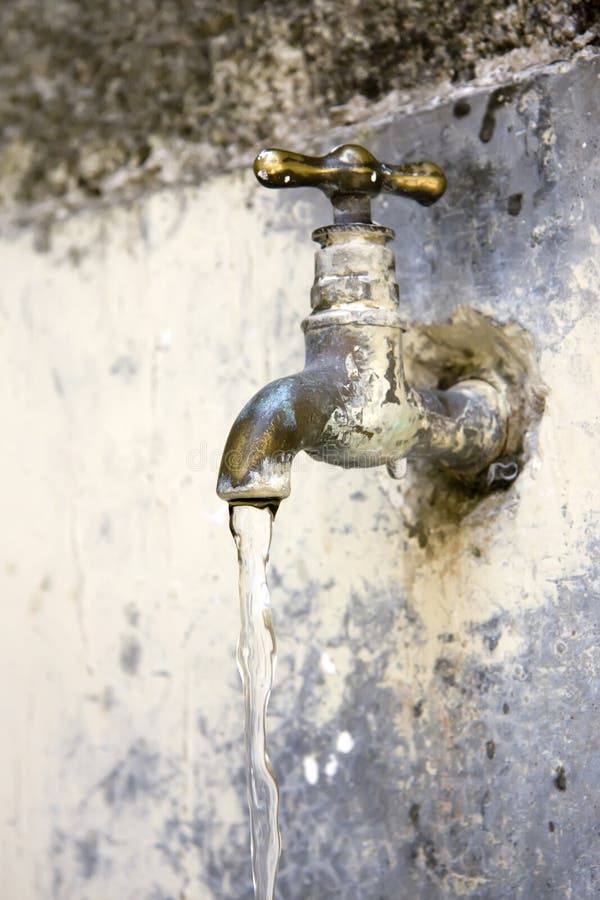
{"points": [[102, 100], [441, 677]]}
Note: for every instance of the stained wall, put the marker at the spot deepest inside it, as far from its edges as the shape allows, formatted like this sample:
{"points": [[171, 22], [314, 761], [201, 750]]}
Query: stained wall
{"points": [[433, 726]]}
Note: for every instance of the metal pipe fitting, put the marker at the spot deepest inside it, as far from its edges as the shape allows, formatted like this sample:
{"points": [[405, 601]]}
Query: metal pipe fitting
{"points": [[351, 405]]}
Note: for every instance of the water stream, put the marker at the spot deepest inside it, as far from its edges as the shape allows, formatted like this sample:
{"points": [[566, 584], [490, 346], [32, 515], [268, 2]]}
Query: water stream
{"points": [[256, 655]]}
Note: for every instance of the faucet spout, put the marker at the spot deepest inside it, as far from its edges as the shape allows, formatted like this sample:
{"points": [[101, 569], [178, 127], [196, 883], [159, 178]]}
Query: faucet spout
{"points": [[351, 411], [284, 417]]}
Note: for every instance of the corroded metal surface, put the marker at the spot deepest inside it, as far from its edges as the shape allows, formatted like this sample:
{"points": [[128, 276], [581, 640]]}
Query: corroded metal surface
{"points": [[351, 406]]}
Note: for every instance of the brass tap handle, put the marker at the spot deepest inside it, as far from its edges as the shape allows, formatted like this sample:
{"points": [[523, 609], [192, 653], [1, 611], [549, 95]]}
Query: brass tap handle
{"points": [[350, 175]]}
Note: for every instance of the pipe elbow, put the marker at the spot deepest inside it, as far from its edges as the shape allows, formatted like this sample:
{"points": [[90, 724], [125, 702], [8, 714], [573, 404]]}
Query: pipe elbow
{"points": [[286, 416]]}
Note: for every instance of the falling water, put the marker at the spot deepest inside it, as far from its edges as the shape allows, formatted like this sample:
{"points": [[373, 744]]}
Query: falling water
{"points": [[256, 655]]}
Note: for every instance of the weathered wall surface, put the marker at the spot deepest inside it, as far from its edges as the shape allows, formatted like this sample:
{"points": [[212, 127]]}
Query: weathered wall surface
{"points": [[102, 99], [434, 721]]}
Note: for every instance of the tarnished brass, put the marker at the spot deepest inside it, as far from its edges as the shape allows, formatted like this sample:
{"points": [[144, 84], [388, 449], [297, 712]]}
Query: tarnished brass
{"points": [[351, 405], [350, 176]]}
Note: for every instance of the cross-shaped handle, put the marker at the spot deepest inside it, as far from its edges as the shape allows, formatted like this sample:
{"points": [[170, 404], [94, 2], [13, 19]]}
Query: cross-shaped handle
{"points": [[350, 176]]}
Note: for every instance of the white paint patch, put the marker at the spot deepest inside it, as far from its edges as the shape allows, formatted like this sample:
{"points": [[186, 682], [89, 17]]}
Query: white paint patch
{"points": [[345, 742], [374, 176], [164, 341], [327, 664], [311, 769], [287, 179], [331, 766]]}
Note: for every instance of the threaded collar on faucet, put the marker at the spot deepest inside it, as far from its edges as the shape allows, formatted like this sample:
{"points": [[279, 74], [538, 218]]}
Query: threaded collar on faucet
{"points": [[339, 234]]}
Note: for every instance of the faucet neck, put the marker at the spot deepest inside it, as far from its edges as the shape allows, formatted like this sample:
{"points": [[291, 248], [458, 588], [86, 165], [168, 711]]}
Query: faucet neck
{"points": [[355, 277]]}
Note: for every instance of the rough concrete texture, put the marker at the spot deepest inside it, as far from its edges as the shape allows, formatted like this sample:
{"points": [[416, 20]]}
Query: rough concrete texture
{"points": [[101, 99], [434, 722]]}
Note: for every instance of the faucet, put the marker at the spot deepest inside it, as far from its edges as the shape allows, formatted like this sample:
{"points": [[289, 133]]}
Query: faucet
{"points": [[351, 405]]}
